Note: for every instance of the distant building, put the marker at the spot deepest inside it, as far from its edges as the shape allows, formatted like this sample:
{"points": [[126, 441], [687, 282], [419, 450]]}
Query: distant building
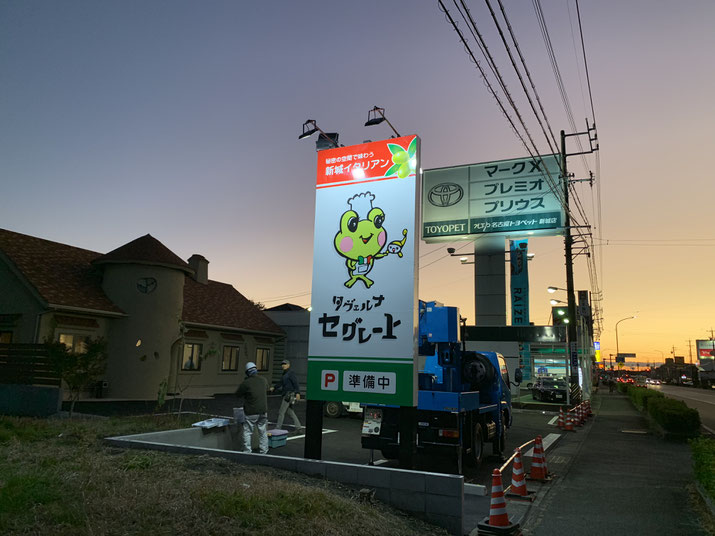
{"points": [[163, 318], [294, 320]]}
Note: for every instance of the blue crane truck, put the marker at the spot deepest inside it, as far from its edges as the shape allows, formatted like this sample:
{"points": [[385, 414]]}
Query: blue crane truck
{"points": [[464, 397]]}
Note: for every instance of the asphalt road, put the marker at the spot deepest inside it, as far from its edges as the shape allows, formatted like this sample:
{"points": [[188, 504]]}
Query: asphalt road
{"points": [[701, 399]]}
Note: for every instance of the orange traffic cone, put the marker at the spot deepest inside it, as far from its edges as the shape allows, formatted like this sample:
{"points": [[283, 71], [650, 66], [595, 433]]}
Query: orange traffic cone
{"points": [[561, 423], [498, 520], [518, 482], [540, 443], [579, 416], [568, 427], [538, 463]]}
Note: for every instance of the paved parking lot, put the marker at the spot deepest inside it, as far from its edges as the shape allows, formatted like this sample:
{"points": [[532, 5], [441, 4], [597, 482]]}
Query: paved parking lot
{"points": [[341, 436]]}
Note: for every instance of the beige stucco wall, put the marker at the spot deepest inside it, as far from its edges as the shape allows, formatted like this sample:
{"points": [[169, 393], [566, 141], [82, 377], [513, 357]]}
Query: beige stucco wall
{"points": [[152, 318], [211, 379]]}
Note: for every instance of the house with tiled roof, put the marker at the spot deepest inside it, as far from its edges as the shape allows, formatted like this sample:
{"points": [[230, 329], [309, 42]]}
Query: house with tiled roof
{"points": [[166, 323]]}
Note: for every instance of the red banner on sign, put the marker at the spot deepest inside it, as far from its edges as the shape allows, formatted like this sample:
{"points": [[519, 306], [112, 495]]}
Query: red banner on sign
{"points": [[368, 162]]}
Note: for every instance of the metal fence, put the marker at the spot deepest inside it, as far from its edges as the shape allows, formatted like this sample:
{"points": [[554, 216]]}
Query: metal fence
{"points": [[27, 364]]}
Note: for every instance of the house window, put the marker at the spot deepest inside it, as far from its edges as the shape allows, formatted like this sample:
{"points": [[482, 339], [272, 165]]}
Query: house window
{"points": [[263, 356], [192, 357], [230, 358], [5, 337], [75, 343]]}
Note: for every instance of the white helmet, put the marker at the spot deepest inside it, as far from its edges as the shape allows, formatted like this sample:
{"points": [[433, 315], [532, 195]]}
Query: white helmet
{"points": [[251, 368]]}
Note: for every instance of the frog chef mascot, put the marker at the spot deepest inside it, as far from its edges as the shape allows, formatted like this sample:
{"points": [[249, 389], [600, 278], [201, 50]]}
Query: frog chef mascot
{"points": [[362, 237]]}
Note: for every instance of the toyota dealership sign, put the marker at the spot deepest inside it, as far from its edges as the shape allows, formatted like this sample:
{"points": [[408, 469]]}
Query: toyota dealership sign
{"points": [[506, 196]]}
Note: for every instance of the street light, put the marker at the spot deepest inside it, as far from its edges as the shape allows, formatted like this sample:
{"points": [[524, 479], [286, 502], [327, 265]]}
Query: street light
{"points": [[310, 127], [556, 302], [374, 119], [551, 290], [621, 320]]}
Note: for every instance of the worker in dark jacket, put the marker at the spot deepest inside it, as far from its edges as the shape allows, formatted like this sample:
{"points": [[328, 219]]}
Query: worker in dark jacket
{"points": [[253, 390], [288, 386]]}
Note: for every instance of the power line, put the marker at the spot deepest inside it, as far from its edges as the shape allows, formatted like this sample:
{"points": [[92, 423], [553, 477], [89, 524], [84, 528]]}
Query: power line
{"points": [[585, 62], [526, 71], [579, 216], [669, 244], [286, 297], [490, 61], [557, 73]]}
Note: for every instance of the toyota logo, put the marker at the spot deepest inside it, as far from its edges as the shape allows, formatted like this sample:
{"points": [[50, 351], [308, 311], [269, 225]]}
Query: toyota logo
{"points": [[445, 194]]}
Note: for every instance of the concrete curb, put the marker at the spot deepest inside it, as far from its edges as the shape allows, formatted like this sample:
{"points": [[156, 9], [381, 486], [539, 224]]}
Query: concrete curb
{"points": [[706, 498], [434, 497]]}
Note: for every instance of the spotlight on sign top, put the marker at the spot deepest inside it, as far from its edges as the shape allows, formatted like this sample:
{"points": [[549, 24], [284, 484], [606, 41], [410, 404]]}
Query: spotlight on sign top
{"points": [[325, 140], [377, 116]]}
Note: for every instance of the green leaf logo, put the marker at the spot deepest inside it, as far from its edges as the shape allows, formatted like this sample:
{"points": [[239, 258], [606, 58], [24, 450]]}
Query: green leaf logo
{"points": [[404, 162]]}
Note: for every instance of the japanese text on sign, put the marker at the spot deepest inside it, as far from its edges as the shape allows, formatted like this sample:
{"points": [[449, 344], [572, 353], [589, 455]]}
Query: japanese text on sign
{"points": [[360, 381], [348, 330]]}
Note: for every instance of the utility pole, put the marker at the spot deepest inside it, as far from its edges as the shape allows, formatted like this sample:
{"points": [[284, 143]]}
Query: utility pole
{"points": [[690, 351], [571, 332], [568, 245]]}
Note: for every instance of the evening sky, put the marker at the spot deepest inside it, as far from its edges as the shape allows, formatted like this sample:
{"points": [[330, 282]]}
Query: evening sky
{"points": [[180, 119]]}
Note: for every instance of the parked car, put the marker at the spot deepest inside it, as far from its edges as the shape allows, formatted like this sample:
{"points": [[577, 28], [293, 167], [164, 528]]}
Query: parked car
{"points": [[549, 390], [338, 409]]}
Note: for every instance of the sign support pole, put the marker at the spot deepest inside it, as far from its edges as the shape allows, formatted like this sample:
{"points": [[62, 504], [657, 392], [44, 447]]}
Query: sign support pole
{"points": [[408, 435], [313, 448]]}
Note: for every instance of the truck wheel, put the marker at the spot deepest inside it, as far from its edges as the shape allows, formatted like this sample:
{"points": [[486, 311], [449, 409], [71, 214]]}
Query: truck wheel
{"points": [[499, 443], [477, 446], [333, 409]]}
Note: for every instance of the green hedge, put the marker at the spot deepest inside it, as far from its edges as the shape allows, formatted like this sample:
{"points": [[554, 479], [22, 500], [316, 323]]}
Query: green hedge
{"points": [[674, 416], [640, 396], [703, 450]]}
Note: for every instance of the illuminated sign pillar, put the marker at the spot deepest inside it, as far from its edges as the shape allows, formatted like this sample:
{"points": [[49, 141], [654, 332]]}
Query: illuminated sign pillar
{"points": [[363, 322]]}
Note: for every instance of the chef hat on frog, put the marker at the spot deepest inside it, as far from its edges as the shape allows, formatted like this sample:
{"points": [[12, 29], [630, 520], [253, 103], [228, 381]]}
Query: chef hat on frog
{"points": [[362, 204]]}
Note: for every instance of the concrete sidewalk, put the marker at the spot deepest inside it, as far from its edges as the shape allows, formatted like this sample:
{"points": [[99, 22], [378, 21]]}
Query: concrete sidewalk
{"points": [[613, 477]]}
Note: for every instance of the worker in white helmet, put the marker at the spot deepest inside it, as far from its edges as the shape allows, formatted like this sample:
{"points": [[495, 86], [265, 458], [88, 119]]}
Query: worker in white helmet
{"points": [[254, 391]]}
